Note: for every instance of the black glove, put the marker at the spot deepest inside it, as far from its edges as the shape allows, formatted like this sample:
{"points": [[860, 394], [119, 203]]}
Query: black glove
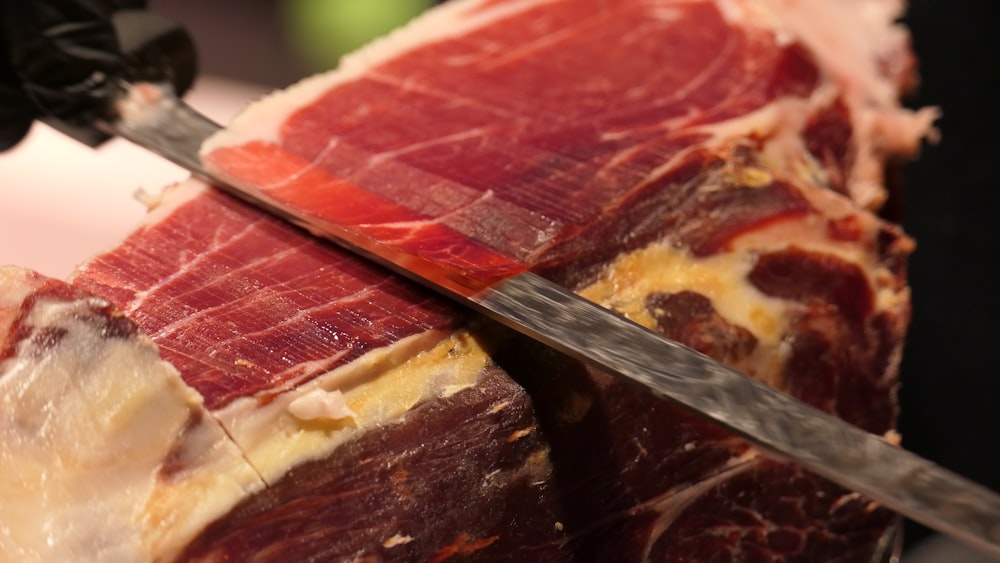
{"points": [[16, 111], [64, 61]]}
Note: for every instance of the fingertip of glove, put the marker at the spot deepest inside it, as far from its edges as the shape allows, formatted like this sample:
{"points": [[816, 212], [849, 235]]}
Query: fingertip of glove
{"points": [[15, 122]]}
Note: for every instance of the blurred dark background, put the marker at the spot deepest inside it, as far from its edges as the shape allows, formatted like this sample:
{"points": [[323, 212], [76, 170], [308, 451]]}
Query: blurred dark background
{"points": [[952, 208], [277, 42], [245, 40], [951, 203]]}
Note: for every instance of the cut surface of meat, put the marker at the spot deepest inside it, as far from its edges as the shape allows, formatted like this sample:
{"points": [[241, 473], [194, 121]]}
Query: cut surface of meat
{"points": [[274, 328], [519, 453], [221, 289], [105, 453], [708, 169], [536, 114]]}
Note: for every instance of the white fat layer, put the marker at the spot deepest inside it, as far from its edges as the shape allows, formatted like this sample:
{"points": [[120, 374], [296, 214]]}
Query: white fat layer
{"points": [[857, 43], [863, 51], [663, 268], [671, 504], [262, 119], [396, 540], [320, 404], [784, 156], [851, 38], [87, 424], [313, 419], [15, 290], [781, 124], [161, 207]]}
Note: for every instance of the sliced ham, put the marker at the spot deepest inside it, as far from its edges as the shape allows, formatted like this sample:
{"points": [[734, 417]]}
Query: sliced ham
{"points": [[706, 168]]}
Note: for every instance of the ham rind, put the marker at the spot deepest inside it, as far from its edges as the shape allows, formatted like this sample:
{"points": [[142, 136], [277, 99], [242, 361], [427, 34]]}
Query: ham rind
{"points": [[707, 169]]}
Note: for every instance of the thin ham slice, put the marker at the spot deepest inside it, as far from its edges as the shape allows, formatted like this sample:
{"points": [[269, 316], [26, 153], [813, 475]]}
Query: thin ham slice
{"points": [[706, 168]]}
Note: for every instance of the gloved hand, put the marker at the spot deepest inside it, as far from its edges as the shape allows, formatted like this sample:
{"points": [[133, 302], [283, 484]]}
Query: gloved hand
{"points": [[64, 61], [16, 111]]}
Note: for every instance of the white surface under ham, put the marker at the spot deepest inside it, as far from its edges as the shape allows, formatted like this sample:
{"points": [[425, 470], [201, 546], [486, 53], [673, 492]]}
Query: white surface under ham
{"points": [[62, 202]]}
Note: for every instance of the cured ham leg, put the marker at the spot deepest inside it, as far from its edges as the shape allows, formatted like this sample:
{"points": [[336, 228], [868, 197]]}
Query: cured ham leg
{"points": [[709, 169]]}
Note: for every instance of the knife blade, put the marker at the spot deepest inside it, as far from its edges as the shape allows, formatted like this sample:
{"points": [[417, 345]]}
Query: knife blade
{"points": [[781, 426]]}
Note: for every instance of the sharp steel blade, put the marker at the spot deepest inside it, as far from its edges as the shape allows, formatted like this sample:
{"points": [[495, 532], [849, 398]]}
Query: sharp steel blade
{"points": [[778, 424]]}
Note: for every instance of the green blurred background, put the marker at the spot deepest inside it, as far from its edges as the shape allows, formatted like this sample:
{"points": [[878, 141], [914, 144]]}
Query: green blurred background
{"points": [[321, 31]]}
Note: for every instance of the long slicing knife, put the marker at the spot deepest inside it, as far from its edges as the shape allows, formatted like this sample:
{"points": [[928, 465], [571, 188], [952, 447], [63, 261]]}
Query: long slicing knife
{"points": [[778, 424]]}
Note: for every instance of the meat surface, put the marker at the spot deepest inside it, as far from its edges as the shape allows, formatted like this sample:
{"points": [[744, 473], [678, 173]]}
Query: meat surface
{"points": [[707, 168], [526, 112], [107, 455]]}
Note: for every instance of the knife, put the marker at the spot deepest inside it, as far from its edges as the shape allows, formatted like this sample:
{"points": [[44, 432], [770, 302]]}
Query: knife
{"points": [[781, 426]]}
